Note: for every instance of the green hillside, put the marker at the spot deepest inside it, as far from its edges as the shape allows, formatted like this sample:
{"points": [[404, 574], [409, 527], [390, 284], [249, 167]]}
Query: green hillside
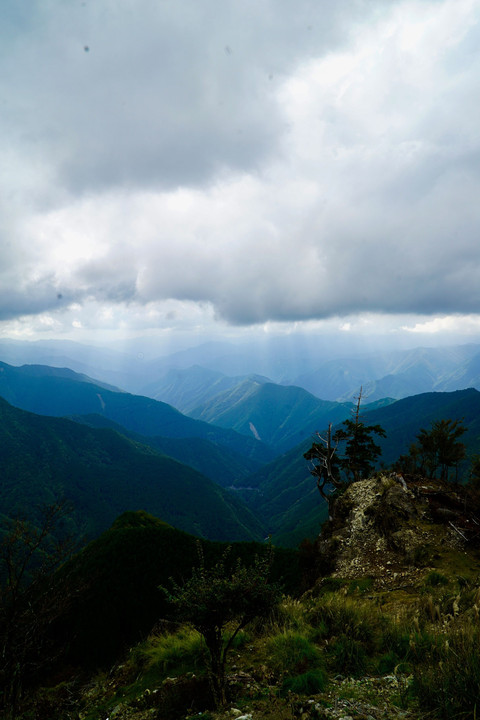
{"points": [[102, 474], [281, 416], [116, 579], [46, 391], [220, 464], [283, 493], [284, 497], [403, 420], [187, 388]]}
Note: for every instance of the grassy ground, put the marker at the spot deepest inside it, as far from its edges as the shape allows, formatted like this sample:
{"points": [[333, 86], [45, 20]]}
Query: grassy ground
{"points": [[393, 632], [343, 650]]}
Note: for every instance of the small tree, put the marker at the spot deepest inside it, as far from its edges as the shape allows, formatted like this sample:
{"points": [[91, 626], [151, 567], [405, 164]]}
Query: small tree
{"points": [[324, 463], [361, 451], [358, 461], [215, 599], [439, 447]]}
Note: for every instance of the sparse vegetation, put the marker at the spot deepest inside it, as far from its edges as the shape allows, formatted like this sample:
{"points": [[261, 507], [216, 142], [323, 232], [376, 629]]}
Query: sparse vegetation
{"points": [[219, 602]]}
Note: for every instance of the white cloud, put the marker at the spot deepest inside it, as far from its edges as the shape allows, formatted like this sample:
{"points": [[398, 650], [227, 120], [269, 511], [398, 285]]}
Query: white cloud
{"points": [[324, 166], [464, 325]]}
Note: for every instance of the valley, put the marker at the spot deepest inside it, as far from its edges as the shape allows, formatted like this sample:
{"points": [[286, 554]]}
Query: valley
{"points": [[141, 481]]}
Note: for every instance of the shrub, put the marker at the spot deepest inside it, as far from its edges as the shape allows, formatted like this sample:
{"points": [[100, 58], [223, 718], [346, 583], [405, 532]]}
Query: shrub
{"points": [[391, 662], [308, 683], [361, 585], [176, 653], [348, 656], [329, 585], [224, 597], [345, 616], [292, 653], [291, 614], [396, 640], [451, 687], [435, 578]]}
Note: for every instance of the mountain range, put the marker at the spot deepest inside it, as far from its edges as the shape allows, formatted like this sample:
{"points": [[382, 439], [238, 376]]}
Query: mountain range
{"points": [[320, 365], [237, 456]]}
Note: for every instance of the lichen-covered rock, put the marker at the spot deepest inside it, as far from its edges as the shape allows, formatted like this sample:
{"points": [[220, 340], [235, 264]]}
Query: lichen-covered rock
{"points": [[379, 524]]}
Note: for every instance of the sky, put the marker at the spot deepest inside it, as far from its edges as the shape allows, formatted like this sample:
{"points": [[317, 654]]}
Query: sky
{"points": [[225, 168]]}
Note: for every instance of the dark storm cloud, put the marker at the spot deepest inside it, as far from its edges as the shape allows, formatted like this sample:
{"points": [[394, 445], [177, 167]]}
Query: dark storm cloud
{"points": [[266, 161], [156, 99]]}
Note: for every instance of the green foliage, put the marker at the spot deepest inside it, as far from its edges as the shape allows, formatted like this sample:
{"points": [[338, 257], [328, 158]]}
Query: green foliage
{"points": [[360, 454], [346, 616], [361, 451], [291, 652], [170, 653], [115, 579], [435, 578], [474, 479], [451, 687], [348, 656], [439, 447], [360, 585], [224, 596], [387, 663], [308, 683], [330, 585], [30, 602]]}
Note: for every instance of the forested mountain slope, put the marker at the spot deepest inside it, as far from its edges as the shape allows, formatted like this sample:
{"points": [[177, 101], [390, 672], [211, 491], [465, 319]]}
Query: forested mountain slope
{"points": [[121, 571], [187, 388], [101, 474], [284, 495], [281, 416], [46, 391], [224, 466]]}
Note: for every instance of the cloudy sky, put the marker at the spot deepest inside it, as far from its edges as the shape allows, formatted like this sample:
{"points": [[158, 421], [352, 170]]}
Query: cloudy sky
{"points": [[230, 166]]}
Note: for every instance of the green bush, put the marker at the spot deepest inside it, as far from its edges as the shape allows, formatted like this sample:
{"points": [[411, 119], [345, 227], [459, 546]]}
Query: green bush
{"points": [[308, 683], [435, 578], [425, 647], [391, 662], [330, 585], [290, 614], [345, 616], [177, 653], [292, 653], [451, 688], [348, 656], [396, 640]]}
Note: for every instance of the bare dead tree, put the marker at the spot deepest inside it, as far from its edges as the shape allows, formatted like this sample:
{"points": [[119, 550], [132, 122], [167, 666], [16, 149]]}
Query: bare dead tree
{"points": [[324, 463]]}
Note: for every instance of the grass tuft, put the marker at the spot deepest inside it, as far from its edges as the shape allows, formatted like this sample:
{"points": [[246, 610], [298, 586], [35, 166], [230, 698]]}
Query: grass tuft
{"points": [[308, 683], [292, 653]]}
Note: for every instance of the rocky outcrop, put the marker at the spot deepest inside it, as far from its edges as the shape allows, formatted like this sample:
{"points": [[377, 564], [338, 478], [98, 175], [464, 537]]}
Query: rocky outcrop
{"points": [[383, 526]]}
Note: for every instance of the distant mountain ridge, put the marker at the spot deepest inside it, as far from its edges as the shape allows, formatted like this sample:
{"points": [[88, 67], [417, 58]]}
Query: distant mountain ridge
{"points": [[397, 375], [281, 416], [56, 392], [188, 388], [329, 368]]}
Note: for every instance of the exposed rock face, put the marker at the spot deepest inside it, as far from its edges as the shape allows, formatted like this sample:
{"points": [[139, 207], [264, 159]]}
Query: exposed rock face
{"points": [[383, 526]]}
